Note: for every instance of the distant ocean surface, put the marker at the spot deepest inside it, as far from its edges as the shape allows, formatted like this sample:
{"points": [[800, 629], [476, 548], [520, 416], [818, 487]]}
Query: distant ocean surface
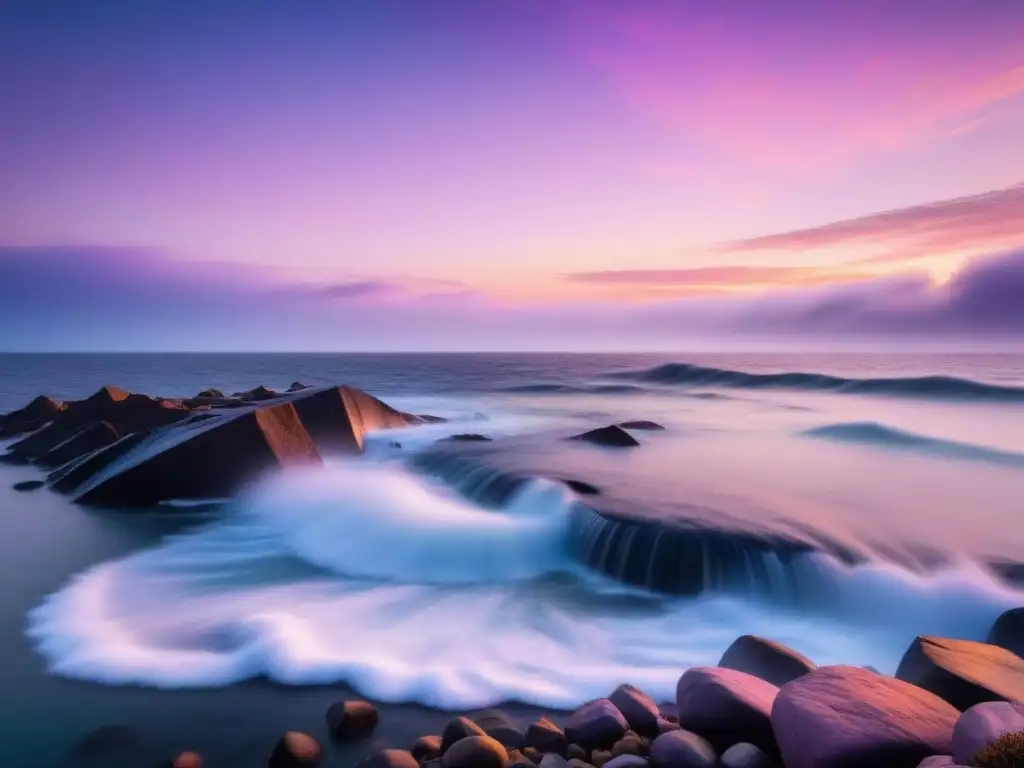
{"points": [[420, 577]]}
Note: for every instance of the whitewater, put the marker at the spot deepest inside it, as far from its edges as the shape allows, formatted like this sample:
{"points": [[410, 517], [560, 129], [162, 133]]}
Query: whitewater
{"points": [[413, 585]]}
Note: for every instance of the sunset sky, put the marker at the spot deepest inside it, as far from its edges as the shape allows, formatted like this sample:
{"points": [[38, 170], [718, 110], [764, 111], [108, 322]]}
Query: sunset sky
{"points": [[549, 174]]}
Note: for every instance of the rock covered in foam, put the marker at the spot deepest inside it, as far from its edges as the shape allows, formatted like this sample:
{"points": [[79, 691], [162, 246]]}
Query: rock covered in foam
{"points": [[597, 724], [847, 717], [765, 659], [612, 436], [639, 709], [963, 672], [1008, 631], [981, 725], [727, 707]]}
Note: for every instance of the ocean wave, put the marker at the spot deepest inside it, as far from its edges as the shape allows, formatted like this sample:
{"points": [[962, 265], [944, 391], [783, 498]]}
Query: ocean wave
{"points": [[575, 389], [936, 387], [875, 434]]}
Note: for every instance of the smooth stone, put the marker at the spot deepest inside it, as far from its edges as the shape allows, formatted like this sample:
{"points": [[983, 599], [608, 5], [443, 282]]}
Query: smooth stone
{"points": [[459, 728], [727, 707], [426, 748], [187, 760], [963, 672], [575, 751], [552, 760], [599, 757], [610, 437], [1008, 631], [745, 756], [28, 485], [630, 744], [627, 761], [597, 724], [766, 659], [497, 725], [390, 758], [682, 749], [638, 708], [847, 717], [546, 736], [296, 750], [349, 720], [981, 725], [475, 752]]}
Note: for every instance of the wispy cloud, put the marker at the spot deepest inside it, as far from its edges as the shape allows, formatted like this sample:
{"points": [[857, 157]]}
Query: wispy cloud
{"points": [[722, 277]]}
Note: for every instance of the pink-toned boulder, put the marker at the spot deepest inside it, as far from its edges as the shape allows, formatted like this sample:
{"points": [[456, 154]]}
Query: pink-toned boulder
{"points": [[638, 708], [727, 707], [848, 717], [596, 725], [963, 672], [982, 724]]}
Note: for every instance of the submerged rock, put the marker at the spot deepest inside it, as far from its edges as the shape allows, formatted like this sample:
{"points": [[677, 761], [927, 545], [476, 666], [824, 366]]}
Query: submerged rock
{"points": [[468, 437], [296, 750], [298, 385], [766, 659], [211, 393], [610, 437], [726, 707], [349, 720], [963, 672], [981, 725], [647, 426], [1008, 631], [847, 717], [28, 485], [258, 394], [597, 724]]}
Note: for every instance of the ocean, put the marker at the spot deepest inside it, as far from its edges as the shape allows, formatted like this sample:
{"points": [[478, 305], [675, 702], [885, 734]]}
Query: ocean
{"points": [[841, 504]]}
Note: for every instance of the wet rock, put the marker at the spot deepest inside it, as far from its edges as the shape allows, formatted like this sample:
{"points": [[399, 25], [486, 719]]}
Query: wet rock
{"points": [[726, 707], [596, 725], [846, 717], [545, 736], [467, 437], [648, 426], [211, 393], [426, 748], [981, 725], [475, 752], [610, 437], [1008, 631], [105, 740], [745, 756], [576, 752], [459, 728], [296, 750], [682, 749], [86, 440], [33, 416], [298, 385], [582, 488], [638, 708], [186, 760], [259, 394], [627, 761], [963, 672], [351, 720], [630, 744], [390, 758], [497, 725], [766, 659], [28, 485]]}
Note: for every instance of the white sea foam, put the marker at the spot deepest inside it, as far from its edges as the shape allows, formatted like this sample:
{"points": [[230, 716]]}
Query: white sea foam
{"points": [[377, 577]]}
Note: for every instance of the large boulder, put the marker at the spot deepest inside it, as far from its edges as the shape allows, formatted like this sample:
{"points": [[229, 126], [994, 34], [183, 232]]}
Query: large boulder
{"points": [[765, 659], [208, 458], [963, 672], [726, 707], [639, 709], [475, 752], [545, 736], [33, 416], [848, 717], [981, 725], [682, 749], [338, 418], [610, 437], [1008, 631], [596, 725]]}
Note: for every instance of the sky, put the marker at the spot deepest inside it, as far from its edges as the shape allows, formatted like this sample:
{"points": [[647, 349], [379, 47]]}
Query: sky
{"points": [[528, 174]]}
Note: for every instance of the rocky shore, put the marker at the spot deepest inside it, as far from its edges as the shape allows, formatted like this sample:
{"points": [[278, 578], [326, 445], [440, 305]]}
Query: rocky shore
{"points": [[951, 703]]}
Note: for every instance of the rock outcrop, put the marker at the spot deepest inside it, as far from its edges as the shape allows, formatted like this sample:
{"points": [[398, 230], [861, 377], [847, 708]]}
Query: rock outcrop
{"points": [[727, 707], [610, 437], [1008, 631], [963, 672], [33, 416]]}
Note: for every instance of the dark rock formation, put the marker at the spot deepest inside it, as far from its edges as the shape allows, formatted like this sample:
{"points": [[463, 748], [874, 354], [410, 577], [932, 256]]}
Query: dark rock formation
{"points": [[582, 488], [545, 736], [459, 728], [766, 659], [638, 708], [426, 418], [426, 748], [610, 437], [468, 437], [963, 672], [475, 752], [498, 726], [350, 720], [596, 725], [296, 750], [847, 717], [211, 393], [33, 416], [1008, 631], [643, 426], [338, 418], [981, 725], [89, 438], [258, 394], [390, 758], [682, 749], [727, 707], [28, 485], [298, 385]]}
